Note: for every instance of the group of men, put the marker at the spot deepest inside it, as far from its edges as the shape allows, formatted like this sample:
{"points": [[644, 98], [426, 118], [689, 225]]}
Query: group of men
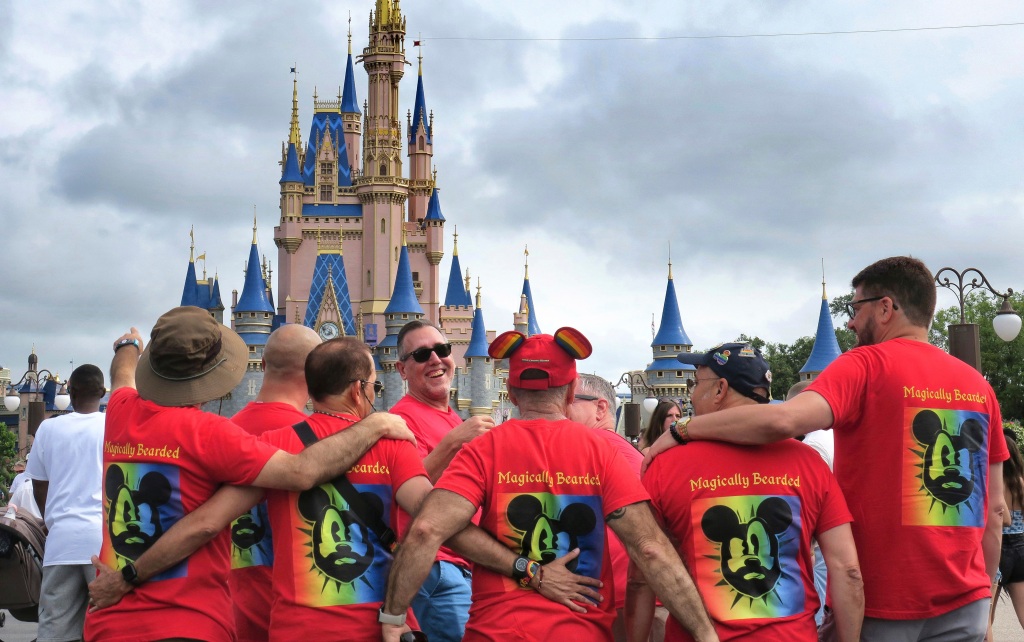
{"points": [[351, 524]]}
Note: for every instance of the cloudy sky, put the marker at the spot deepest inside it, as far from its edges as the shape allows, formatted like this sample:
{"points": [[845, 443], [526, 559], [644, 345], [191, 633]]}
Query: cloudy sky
{"points": [[598, 133]]}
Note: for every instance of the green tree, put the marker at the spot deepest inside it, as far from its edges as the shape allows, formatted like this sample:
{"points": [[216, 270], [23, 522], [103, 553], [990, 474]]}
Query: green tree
{"points": [[1002, 362], [8, 456]]}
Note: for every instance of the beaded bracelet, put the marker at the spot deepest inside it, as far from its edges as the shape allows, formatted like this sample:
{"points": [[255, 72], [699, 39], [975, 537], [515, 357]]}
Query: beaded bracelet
{"points": [[531, 572]]}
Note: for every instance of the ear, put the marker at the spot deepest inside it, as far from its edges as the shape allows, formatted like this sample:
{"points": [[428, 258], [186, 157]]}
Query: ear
{"points": [[720, 523], [522, 511], [926, 426], [602, 408], [113, 481], [263, 365], [400, 366], [776, 513], [572, 341], [505, 344]]}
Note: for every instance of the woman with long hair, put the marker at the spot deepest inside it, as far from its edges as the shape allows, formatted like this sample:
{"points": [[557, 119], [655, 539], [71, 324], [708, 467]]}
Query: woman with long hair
{"points": [[664, 414], [1011, 562]]}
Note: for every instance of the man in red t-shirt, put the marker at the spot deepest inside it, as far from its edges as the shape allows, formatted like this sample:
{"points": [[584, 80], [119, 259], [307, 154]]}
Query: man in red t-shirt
{"points": [[743, 518], [281, 402], [163, 457], [919, 451], [594, 406], [426, 364], [544, 484]]}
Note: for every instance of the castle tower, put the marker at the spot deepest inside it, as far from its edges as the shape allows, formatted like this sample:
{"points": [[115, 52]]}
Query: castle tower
{"points": [[351, 117], [480, 367], [532, 327], [826, 346], [666, 374], [201, 293], [381, 189], [216, 305], [421, 153], [190, 292], [329, 311], [456, 315], [402, 308]]}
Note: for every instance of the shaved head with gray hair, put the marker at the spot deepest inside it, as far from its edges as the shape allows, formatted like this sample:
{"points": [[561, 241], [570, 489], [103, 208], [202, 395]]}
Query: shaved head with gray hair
{"points": [[591, 384], [286, 350]]}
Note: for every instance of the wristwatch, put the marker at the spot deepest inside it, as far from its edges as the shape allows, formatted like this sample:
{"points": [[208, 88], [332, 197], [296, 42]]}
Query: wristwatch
{"points": [[130, 574], [673, 429], [519, 567], [126, 342], [387, 618]]}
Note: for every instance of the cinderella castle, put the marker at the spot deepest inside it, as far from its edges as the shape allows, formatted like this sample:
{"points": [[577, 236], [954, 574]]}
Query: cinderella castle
{"points": [[360, 246]]}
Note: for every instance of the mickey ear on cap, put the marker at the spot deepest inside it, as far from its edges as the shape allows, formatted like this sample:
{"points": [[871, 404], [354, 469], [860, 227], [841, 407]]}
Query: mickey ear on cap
{"points": [[505, 344], [572, 341]]}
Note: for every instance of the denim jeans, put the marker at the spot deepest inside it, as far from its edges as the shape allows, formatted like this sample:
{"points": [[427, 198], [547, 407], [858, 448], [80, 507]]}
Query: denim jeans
{"points": [[442, 603]]}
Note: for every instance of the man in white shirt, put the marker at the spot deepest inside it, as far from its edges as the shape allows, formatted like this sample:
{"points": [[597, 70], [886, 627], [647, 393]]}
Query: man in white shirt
{"points": [[65, 468]]}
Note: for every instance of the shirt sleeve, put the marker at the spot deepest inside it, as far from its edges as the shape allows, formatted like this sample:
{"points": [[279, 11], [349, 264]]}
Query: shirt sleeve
{"points": [[997, 450], [620, 486], [834, 511], [414, 426], [403, 461], [843, 385], [233, 455]]}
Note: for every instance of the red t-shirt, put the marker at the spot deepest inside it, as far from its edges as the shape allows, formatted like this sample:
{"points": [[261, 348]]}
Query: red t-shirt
{"points": [[429, 425], [915, 432], [160, 463], [617, 552], [744, 517], [331, 571], [252, 542], [544, 488]]}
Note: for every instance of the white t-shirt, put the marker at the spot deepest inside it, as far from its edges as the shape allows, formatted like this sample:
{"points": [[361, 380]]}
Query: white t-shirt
{"points": [[824, 442], [68, 453]]}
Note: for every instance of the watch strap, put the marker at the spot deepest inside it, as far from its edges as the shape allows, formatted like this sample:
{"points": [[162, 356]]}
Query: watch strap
{"points": [[387, 618], [520, 568], [126, 342], [130, 574]]}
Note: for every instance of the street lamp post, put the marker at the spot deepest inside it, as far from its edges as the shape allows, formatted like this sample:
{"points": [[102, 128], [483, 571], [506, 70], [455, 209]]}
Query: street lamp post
{"points": [[36, 386], [631, 409], [964, 338]]}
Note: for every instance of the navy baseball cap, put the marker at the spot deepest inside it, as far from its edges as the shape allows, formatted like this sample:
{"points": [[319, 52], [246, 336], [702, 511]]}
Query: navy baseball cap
{"points": [[741, 364]]}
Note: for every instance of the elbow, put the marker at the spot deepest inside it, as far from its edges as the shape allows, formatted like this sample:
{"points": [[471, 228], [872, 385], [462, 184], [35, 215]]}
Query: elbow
{"points": [[423, 532]]}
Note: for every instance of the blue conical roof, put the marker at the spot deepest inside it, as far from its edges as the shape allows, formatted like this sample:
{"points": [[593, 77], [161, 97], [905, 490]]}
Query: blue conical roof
{"points": [[215, 300], [403, 297], [532, 327], [254, 292], [478, 340], [329, 123], [291, 173], [826, 346], [671, 332], [456, 294], [434, 207], [349, 102], [190, 293], [420, 118]]}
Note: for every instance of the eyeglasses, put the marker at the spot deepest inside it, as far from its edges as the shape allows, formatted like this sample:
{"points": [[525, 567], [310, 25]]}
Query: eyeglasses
{"points": [[378, 386], [690, 385], [852, 311], [585, 398], [422, 355]]}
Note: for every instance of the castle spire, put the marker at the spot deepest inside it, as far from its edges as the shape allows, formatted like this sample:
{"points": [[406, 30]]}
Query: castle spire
{"points": [[293, 134], [349, 101], [403, 297], [826, 346], [254, 224], [671, 332], [254, 290], [190, 291], [478, 338], [420, 117], [456, 295], [532, 326]]}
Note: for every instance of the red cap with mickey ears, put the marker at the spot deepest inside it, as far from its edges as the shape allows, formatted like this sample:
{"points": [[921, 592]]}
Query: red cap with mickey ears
{"points": [[542, 361]]}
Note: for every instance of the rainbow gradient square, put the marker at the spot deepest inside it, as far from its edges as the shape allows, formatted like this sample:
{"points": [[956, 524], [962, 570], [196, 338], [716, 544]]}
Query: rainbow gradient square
{"points": [[740, 528], [944, 467]]}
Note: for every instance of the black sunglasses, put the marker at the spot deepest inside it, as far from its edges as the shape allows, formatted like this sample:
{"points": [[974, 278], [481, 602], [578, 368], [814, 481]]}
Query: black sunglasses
{"points": [[422, 355], [852, 311], [378, 386], [585, 398]]}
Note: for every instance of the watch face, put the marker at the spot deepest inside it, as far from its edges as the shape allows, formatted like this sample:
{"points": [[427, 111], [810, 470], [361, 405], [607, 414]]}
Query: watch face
{"points": [[521, 564], [328, 331]]}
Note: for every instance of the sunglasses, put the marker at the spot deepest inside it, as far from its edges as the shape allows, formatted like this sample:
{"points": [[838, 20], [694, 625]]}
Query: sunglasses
{"points": [[378, 386], [585, 398], [422, 355]]}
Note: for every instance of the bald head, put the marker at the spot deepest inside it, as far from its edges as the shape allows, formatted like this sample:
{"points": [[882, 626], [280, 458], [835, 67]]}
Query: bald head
{"points": [[287, 348]]}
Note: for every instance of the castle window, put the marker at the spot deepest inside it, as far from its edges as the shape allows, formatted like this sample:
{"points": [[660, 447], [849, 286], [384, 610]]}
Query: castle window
{"points": [[382, 226], [383, 169], [368, 278], [420, 143], [662, 348], [325, 192], [415, 276], [661, 374], [325, 169], [679, 373], [252, 315]]}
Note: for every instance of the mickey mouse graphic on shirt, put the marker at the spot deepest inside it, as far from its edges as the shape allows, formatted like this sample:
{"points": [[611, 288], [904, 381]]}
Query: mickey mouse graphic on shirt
{"points": [[134, 510], [342, 546], [251, 539], [946, 461], [750, 561], [547, 537]]}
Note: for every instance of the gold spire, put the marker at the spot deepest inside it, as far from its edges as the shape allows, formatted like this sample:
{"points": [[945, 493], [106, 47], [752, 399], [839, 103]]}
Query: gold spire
{"points": [[192, 244], [670, 260], [350, 33], [455, 243], [823, 296], [293, 134], [467, 281], [526, 262], [477, 293], [254, 224], [403, 234], [419, 53]]}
